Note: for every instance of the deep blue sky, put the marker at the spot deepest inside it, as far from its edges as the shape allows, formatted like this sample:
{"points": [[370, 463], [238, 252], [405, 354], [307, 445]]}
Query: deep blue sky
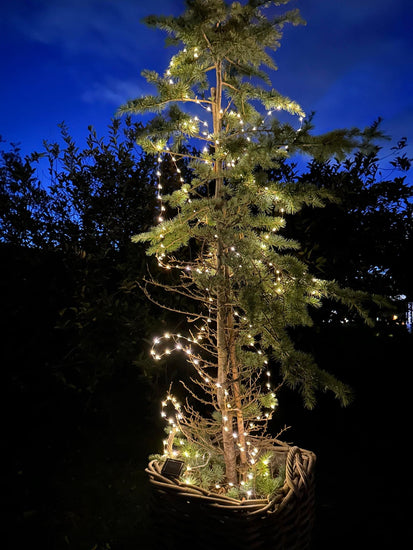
{"points": [[78, 60]]}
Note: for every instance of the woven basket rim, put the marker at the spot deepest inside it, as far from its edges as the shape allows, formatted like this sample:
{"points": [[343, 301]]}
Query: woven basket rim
{"points": [[299, 467]]}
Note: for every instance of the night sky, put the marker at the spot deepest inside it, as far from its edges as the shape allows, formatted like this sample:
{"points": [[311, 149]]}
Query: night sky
{"points": [[75, 459], [78, 60]]}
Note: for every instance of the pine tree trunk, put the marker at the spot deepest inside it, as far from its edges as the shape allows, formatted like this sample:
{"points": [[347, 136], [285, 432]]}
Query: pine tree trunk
{"points": [[230, 456], [227, 366], [236, 388]]}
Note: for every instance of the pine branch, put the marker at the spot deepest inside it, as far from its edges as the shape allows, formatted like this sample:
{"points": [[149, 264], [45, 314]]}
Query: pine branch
{"points": [[227, 232]]}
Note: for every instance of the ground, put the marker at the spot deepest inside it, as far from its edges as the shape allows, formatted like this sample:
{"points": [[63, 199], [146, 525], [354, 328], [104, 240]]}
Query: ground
{"points": [[77, 479]]}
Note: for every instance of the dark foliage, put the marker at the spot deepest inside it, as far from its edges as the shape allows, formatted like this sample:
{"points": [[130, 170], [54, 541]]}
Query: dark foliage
{"points": [[74, 230], [76, 400], [363, 237]]}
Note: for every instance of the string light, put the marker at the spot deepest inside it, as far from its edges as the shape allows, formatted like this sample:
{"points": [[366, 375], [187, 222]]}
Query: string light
{"points": [[196, 127]]}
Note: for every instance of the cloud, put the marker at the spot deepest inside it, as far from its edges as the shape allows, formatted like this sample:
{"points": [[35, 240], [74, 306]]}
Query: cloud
{"points": [[106, 28], [112, 91]]}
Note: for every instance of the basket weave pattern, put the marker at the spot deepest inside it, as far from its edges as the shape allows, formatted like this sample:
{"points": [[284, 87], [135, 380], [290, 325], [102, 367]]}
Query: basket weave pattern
{"points": [[190, 515]]}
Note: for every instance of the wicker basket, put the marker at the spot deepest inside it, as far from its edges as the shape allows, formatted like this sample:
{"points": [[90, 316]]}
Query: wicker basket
{"points": [[193, 517]]}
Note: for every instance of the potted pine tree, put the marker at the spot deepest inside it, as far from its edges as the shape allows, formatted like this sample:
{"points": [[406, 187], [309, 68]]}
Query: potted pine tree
{"points": [[222, 478]]}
